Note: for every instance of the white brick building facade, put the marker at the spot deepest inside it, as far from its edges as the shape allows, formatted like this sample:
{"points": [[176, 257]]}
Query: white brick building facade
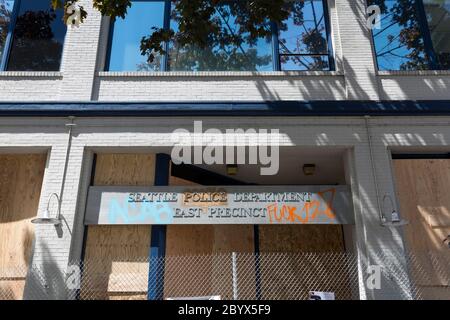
{"points": [[82, 80]]}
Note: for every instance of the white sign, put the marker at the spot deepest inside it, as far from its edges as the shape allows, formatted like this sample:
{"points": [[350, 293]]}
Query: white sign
{"points": [[220, 205], [319, 295], [196, 298]]}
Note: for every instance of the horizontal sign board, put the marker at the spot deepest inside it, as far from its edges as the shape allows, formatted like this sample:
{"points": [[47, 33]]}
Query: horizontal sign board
{"points": [[219, 205]]}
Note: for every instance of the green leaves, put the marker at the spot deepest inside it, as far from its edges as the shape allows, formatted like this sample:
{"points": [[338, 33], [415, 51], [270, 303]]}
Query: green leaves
{"points": [[112, 8], [57, 4], [70, 14], [153, 45], [205, 23], [65, 4], [201, 23]]}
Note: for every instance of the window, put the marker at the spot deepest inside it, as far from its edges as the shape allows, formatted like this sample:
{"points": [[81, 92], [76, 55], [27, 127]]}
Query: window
{"points": [[298, 43], [224, 52], [414, 35], [303, 37], [36, 36], [126, 35]]}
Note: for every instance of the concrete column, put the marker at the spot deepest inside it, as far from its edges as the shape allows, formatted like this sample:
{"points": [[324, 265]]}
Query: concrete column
{"points": [[376, 245], [80, 56], [358, 59], [53, 243]]}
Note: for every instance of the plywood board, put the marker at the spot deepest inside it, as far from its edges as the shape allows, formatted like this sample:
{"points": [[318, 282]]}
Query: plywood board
{"points": [[291, 271], [422, 191], [206, 242], [184, 240], [303, 238], [208, 250], [125, 170], [112, 253], [196, 270], [21, 178], [233, 238], [12, 289], [175, 181], [106, 244]]}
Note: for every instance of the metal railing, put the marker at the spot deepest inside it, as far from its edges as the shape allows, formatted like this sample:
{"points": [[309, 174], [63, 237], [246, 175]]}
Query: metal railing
{"points": [[235, 276]]}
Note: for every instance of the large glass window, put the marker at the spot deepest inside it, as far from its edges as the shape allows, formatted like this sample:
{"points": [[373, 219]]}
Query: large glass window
{"points": [[31, 35], [414, 34], [231, 49], [127, 34], [303, 37], [302, 40], [38, 37]]}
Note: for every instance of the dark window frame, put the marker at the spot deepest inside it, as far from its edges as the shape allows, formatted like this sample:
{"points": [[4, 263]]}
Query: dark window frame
{"points": [[329, 54], [276, 62], [10, 38]]}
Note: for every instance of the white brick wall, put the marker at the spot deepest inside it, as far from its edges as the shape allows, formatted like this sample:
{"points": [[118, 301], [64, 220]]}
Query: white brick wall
{"points": [[29, 87], [213, 88], [356, 78], [80, 57], [416, 87], [153, 134]]}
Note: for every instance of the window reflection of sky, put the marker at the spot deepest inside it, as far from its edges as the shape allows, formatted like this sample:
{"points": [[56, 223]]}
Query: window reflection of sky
{"points": [[127, 35], [391, 52], [292, 36], [296, 34]]}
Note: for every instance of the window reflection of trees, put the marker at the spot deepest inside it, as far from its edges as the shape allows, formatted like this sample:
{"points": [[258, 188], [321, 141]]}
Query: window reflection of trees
{"points": [[400, 43], [236, 35], [310, 51], [228, 46], [34, 47]]}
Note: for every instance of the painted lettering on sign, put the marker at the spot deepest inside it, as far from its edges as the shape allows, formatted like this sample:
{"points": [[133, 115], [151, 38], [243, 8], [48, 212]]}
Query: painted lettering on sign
{"points": [[219, 205], [205, 198], [130, 213], [310, 212]]}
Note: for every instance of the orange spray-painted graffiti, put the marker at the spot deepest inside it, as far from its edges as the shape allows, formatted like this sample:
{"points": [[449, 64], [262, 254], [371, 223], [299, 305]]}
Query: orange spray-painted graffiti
{"points": [[310, 212]]}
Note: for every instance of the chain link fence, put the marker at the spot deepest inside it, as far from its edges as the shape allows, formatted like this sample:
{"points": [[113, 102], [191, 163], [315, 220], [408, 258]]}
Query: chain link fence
{"points": [[235, 276]]}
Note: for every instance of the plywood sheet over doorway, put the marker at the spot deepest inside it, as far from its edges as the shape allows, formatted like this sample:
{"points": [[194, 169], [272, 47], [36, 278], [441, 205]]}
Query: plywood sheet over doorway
{"points": [[301, 238], [423, 192], [206, 246], [206, 239], [116, 256], [21, 178], [318, 271], [124, 170]]}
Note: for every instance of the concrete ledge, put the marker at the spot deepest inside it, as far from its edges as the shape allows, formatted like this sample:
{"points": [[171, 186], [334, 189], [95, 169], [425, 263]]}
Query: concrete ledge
{"points": [[415, 73], [31, 74]]}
